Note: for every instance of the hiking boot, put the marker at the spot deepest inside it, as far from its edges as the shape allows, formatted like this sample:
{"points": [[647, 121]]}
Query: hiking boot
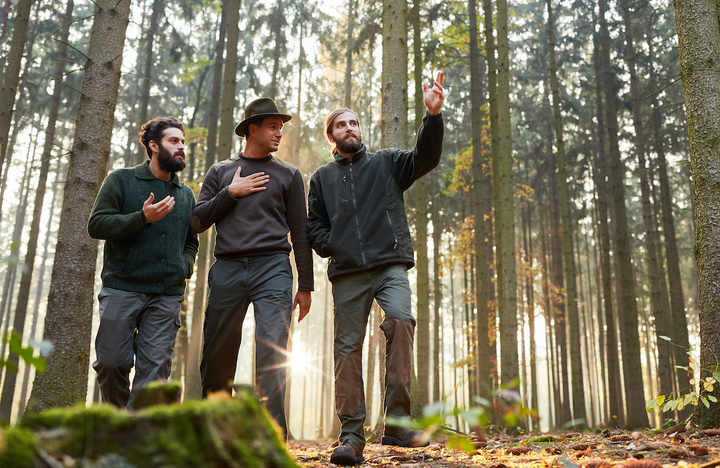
{"points": [[347, 454], [404, 437]]}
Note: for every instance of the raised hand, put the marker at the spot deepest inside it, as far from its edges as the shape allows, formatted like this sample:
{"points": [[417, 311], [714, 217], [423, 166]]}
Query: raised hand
{"points": [[159, 210], [434, 97], [243, 186]]}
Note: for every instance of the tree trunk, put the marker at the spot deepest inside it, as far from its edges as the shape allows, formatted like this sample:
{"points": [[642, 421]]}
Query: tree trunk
{"points": [[11, 74], [478, 189], [393, 121], [227, 107], [437, 298], [614, 384], [632, 368], [278, 21], [421, 230], [8, 391], [679, 329], [506, 188], [157, 11], [348, 54], [573, 323], [69, 314], [699, 40]]}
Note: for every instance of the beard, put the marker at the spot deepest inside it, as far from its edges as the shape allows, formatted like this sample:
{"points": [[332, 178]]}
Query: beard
{"points": [[167, 161], [349, 147]]}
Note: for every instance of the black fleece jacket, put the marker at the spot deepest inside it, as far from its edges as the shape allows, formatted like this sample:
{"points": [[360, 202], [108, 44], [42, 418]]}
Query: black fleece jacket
{"points": [[356, 209]]}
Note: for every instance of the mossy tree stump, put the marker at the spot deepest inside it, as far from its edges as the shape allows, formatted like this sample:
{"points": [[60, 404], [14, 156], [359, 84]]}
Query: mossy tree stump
{"points": [[199, 433]]}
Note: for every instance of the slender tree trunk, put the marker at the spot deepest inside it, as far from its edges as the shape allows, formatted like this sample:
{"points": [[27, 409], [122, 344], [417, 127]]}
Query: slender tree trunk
{"points": [[660, 310], [348, 54], [393, 121], [615, 404], [157, 11], [8, 391], [421, 229], [506, 188], [679, 329], [227, 106], [11, 74], [555, 415], [699, 40], [573, 323], [632, 368], [437, 298], [69, 315], [278, 21], [478, 190]]}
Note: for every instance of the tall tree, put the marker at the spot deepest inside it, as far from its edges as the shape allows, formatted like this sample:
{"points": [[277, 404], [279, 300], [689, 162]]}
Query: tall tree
{"points": [[68, 318], [505, 212], [227, 106], [660, 308], [421, 228], [6, 401], [699, 40], [157, 10], [573, 322], [632, 368]]}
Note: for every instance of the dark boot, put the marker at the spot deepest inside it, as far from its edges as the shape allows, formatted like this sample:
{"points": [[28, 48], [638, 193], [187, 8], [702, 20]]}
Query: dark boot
{"points": [[403, 437], [347, 454]]}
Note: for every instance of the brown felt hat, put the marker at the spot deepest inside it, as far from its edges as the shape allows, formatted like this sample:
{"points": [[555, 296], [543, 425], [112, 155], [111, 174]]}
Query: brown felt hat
{"points": [[263, 107]]}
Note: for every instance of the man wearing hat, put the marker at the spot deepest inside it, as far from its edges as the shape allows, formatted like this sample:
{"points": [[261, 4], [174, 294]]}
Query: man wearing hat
{"points": [[254, 199]]}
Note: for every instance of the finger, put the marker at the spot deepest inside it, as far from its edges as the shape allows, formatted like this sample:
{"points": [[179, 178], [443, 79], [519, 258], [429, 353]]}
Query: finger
{"points": [[425, 88], [149, 200], [440, 78], [257, 175], [296, 302], [237, 173]]}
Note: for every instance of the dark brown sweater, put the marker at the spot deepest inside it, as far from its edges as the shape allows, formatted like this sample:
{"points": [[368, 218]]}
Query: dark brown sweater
{"points": [[257, 224]]}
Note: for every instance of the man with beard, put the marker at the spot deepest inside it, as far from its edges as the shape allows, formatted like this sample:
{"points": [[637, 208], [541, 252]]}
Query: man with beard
{"points": [[149, 253], [357, 218], [254, 199]]}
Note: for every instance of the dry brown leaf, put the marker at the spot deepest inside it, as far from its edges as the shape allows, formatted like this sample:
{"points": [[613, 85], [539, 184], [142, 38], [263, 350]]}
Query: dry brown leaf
{"points": [[701, 452], [620, 438], [519, 450], [642, 464], [573, 434], [678, 454]]}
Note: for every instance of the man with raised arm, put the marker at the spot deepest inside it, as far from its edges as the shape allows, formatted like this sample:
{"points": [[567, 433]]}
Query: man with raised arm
{"points": [[254, 199], [149, 253], [357, 218]]}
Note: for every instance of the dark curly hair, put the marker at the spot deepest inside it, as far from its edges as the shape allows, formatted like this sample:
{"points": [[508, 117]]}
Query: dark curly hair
{"points": [[153, 131]]}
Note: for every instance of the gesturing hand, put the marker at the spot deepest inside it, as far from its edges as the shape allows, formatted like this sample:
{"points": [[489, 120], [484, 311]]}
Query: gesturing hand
{"points": [[434, 97], [159, 210], [242, 186]]}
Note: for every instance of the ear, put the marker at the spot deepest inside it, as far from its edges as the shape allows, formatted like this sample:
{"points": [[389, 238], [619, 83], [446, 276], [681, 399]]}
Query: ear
{"points": [[330, 138], [153, 146]]}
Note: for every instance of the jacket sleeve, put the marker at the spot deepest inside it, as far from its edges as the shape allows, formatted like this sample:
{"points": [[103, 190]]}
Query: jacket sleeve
{"points": [[318, 222], [106, 219], [212, 203], [409, 166], [190, 248], [297, 220]]}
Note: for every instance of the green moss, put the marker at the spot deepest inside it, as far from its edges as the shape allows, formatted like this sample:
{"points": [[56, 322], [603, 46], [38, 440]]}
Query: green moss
{"points": [[545, 438], [18, 448], [198, 433]]}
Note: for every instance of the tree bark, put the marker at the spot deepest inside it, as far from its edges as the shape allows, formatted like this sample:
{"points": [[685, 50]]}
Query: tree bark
{"points": [[632, 368], [8, 391], [699, 41], [69, 314], [227, 106], [157, 11]]}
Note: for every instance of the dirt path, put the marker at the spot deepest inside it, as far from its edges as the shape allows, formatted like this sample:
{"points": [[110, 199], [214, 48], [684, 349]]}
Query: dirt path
{"points": [[647, 449]]}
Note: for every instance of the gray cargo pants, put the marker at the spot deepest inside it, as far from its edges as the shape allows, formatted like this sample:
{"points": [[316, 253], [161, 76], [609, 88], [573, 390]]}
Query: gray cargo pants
{"points": [[265, 281], [353, 295], [135, 327]]}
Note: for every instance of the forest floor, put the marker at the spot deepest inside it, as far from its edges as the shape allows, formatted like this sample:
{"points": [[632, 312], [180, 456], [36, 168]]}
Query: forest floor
{"points": [[647, 449]]}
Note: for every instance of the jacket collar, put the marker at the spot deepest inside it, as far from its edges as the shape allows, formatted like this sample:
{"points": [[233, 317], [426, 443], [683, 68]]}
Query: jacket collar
{"points": [[356, 157], [143, 172]]}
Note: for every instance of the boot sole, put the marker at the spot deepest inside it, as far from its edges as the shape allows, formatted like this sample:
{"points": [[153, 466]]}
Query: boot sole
{"points": [[346, 460]]}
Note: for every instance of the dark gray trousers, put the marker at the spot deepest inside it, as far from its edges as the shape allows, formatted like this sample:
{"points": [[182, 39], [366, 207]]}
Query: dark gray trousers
{"points": [[135, 327], [266, 282], [353, 296]]}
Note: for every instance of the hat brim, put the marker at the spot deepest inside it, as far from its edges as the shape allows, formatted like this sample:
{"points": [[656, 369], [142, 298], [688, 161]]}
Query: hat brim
{"points": [[241, 128]]}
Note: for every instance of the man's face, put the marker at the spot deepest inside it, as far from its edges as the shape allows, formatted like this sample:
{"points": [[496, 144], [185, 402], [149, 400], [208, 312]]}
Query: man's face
{"points": [[171, 152], [268, 136], [346, 133]]}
